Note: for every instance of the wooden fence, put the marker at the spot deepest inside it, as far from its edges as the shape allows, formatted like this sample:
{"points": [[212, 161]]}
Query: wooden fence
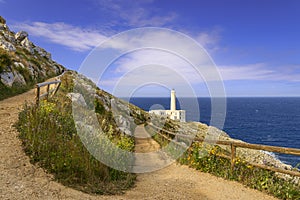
{"points": [[233, 146], [49, 91]]}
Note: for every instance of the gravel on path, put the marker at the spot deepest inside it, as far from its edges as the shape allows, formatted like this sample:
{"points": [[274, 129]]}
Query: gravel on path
{"points": [[19, 179]]}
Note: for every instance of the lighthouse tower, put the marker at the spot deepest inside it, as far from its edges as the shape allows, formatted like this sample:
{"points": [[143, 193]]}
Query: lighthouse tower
{"points": [[172, 113], [173, 100]]}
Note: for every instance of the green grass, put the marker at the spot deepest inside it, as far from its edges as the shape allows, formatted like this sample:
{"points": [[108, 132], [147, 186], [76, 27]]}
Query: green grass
{"points": [[16, 89], [5, 60], [50, 139], [210, 160]]}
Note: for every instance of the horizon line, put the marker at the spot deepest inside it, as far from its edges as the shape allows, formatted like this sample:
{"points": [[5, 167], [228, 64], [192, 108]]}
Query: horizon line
{"points": [[213, 97]]}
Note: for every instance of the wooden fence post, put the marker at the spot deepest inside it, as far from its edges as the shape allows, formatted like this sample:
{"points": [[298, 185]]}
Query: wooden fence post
{"points": [[37, 98], [233, 155], [234, 145], [57, 87], [48, 89]]}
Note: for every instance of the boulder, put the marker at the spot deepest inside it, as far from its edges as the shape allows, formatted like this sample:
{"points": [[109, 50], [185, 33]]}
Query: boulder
{"points": [[7, 45], [21, 35], [77, 98], [19, 64], [9, 78], [32, 71], [19, 78], [9, 37], [28, 45]]}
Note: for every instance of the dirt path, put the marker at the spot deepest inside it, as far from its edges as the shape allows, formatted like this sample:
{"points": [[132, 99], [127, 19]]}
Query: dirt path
{"points": [[21, 180]]}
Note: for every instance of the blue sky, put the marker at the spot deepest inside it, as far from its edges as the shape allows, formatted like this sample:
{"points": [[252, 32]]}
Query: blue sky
{"points": [[255, 44]]}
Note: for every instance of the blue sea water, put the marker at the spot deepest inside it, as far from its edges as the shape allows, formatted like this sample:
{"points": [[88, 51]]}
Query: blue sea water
{"points": [[269, 121]]}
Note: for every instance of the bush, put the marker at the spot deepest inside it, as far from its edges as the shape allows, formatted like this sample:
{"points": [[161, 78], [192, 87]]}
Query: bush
{"points": [[214, 160], [50, 139], [5, 60], [254, 177], [14, 90]]}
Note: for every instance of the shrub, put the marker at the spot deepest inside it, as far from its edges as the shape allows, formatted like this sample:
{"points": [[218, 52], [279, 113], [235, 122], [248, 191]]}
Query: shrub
{"points": [[214, 160], [211, 161], [50, 139], [5, 60]]}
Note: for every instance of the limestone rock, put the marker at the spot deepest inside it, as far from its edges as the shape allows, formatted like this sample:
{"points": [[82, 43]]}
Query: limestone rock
{"points": [[124, 124], [9, 78], [19, 78], [7, 45], [77, 98], [105, 100], [21, 35], [32, 71], [42, 52], [19, 64], [2, 20], [26, 61], [9, 37], [58, 69], [3, 25], [28, 45]]}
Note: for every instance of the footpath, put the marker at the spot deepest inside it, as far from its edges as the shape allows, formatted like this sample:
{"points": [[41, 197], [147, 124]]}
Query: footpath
{"points": [[19, 179]]}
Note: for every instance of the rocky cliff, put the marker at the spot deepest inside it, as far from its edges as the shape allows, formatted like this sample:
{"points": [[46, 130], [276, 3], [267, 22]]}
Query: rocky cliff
{"points": [[22, 64]]}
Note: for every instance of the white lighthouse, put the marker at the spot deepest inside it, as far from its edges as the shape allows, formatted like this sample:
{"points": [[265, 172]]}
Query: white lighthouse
{"points": [[173, 100], [172, 113]]}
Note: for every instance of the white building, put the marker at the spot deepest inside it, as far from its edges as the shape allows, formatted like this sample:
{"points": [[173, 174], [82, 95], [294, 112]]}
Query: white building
{"points": [[173, 113]]}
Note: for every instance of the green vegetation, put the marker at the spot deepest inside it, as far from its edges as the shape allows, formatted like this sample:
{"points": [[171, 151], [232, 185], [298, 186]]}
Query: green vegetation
{"points": [[14, 90], [21, 55], [26, 74], [214, 160], [253, 177], [5, 60], [50, 139]]}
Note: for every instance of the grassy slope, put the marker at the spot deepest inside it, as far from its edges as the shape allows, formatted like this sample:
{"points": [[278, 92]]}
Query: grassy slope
{"points": [[49, 138], [21, 55]]}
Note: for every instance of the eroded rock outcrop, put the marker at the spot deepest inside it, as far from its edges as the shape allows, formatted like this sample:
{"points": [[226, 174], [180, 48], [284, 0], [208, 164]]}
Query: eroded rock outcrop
{"points": [[21, 62]]}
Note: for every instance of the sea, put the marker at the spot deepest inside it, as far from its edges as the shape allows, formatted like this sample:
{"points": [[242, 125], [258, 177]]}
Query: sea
{"points": [[270, 121]]}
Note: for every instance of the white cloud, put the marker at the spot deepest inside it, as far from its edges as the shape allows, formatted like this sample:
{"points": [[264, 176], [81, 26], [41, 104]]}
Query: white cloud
{"points": [[256, 71], [135, 13], [170, 57], [165, 68], [209, 39], [76, 38], [85, 39], [162, 66], [260, 71], [80, 39]]}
